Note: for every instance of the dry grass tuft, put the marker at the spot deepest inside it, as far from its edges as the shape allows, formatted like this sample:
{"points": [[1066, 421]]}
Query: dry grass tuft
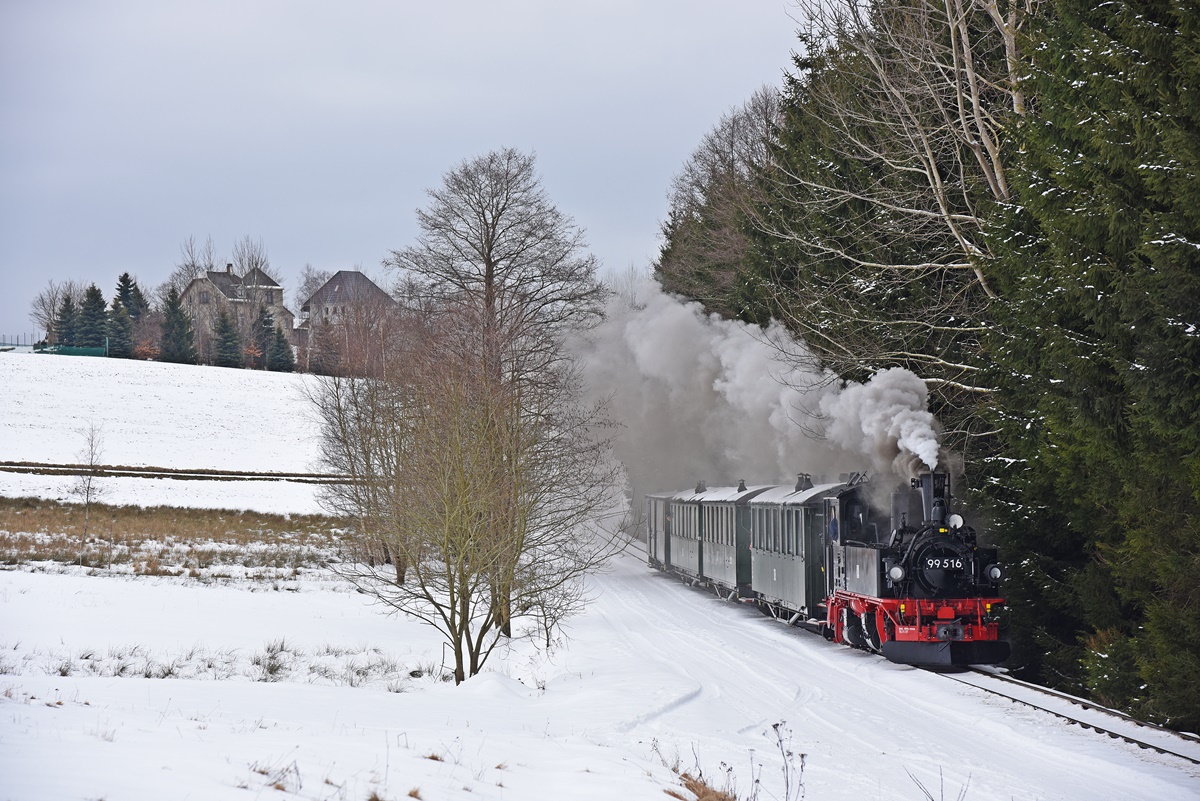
{"points": [[414, 792], [700, 789], [435, 757]]}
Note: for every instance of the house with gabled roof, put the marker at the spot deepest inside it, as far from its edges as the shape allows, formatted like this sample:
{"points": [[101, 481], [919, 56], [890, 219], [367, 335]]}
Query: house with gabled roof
{"points": [[240, 297], [337, 317], [340, 295]]}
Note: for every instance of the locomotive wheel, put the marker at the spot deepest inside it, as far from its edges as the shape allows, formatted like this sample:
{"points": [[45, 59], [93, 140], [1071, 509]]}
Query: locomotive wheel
{"points": [[870, 632], [852, 632]]}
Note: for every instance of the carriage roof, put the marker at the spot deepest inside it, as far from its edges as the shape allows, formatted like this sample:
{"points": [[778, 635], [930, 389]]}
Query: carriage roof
{"points": [[790, 496]]}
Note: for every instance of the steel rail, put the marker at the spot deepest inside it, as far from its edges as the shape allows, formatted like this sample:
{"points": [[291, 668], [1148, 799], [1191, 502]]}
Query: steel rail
{"points": [[1084, 704]]}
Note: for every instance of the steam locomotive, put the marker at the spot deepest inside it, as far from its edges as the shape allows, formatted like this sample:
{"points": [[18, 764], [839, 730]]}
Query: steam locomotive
{"points": [[894, 572]]}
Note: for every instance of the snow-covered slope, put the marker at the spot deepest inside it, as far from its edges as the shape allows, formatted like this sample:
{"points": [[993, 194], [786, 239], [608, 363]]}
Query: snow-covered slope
{"points": [[159, 415], [653, 672]]}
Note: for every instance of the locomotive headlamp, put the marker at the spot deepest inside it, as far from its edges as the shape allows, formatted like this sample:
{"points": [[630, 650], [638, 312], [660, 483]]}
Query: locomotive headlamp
{"points": [[994, 572], [896, 572]]}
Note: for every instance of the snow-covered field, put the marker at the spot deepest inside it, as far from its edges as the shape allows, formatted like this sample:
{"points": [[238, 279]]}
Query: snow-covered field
{"points": [[652, 675], [159, 415]]}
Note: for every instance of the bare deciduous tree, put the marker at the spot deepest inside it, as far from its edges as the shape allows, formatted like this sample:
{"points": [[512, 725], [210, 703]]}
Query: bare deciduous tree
{"points": [[44, 308], [478, 471], [194, 260], [495, 247], [86, 487], [710, 199], [482, 494], [311, 279], [492, 239], [900, 108]]}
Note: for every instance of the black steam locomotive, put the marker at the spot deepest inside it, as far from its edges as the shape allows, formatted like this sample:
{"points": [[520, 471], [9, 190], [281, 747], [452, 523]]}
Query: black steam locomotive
{"points": [[892, 572]]}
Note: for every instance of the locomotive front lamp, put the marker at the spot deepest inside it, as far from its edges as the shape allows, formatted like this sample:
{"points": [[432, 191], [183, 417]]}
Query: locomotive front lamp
{"points": [[896, 572], [994, 572]]}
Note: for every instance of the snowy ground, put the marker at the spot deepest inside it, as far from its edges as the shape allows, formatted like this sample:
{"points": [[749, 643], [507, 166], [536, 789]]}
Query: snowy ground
{"points": [[653, 675], [159, 415], [653, 672]]}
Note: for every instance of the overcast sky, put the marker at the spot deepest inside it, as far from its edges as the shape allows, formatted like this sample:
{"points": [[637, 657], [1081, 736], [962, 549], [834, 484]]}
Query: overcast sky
{"points": [[127, 126]]}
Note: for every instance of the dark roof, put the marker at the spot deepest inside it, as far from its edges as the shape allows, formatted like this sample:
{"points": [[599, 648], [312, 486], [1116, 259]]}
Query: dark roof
{"points": [[346, 287], [226, 282], [258, 278]]}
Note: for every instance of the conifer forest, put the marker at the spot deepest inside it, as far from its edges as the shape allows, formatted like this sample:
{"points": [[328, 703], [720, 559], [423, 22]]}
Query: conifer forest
{"points": [[1002, 196]]}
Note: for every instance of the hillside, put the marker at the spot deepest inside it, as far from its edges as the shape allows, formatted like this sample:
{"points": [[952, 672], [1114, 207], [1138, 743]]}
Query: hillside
{"points": [[159, 415], [152, 687]]}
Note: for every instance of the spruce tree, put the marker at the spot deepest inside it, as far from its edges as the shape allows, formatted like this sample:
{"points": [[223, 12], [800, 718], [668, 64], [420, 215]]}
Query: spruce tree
{"points": [[66, 322], [120, 332], [262, 334], [91, 329], [131, 297], [178, 343], [229, 343], [1099, 357], [279, 355]]}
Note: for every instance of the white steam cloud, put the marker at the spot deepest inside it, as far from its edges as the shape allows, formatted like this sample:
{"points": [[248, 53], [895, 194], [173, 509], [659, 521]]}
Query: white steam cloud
{"points": [[885, 419], [702, 398]]}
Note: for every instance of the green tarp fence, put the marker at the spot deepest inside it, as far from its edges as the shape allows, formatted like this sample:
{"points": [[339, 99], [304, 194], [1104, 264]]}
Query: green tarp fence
{"points": [[63, 350]]}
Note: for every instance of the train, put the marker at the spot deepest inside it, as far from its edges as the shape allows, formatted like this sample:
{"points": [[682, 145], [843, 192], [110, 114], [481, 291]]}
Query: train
{"points": [[885, 568]]}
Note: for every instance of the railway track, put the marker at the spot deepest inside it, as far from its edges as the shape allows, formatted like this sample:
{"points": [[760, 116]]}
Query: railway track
{"points": [[1084, 713], [183, 474]]}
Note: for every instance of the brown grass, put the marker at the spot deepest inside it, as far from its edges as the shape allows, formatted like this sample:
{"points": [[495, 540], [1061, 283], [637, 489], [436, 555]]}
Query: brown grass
{"points": [[700, 789], [160, 540]]}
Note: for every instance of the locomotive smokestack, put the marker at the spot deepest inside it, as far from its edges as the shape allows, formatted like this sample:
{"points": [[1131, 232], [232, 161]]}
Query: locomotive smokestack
{"points": [[935, 495]]}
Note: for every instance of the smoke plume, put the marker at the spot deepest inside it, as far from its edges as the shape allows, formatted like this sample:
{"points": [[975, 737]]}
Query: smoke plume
{"points": [[886, 420], [703, 398]]}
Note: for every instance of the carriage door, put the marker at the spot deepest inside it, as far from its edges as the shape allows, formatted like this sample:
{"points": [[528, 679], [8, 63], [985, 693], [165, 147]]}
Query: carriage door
{"points": [[835, 575]]}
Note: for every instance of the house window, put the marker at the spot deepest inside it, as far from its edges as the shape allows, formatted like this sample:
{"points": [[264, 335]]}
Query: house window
{"points": [[203, 296]]}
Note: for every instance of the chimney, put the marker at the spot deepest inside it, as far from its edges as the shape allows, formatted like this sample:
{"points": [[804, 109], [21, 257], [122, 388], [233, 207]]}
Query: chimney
{"points": [[701, 487], [803, 482], [229, 269], [741, 485]]}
